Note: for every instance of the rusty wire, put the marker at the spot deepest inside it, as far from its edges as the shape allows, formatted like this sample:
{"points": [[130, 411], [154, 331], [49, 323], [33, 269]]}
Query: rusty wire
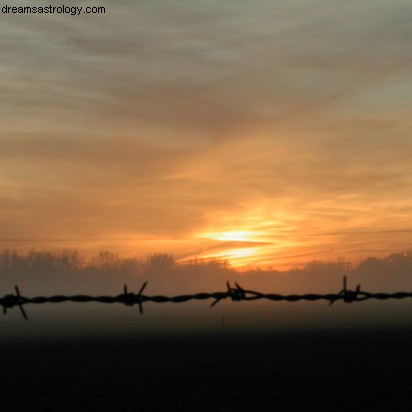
{"points": [[236, 293]]}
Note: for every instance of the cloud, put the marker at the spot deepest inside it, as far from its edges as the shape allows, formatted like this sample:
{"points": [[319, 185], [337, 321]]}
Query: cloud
{"points": [[162, 119], [213, 70]]}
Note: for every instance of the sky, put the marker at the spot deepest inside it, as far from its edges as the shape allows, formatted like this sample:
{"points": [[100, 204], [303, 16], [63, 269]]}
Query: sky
{"points": [[268, 133]]}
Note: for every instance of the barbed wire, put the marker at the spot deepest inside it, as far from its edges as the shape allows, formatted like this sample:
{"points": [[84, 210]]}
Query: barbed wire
{"points": [[237, 294]]}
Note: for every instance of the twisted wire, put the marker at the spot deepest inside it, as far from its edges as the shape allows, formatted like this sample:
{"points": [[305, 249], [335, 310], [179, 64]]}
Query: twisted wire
{"points": [[236, 293]]}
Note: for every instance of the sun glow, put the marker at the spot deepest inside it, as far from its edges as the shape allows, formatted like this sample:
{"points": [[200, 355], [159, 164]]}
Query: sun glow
{"points": [[239, 247], [233, 235], [266, 235], [237, 257]]}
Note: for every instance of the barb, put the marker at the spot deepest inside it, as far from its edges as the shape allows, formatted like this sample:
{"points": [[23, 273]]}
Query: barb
{"points": [[236, 294], [129, 299], [9, 301], [350, 296]]}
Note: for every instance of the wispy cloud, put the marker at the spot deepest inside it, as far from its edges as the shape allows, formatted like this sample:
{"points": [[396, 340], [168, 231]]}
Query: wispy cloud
{"points": [[165, 119]]}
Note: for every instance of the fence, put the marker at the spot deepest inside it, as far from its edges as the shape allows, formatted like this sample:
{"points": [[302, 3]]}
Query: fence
{"points": [[236, 293]]}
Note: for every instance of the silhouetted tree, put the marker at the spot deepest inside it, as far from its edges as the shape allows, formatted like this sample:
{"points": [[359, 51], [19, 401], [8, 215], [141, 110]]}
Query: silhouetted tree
{"points": [[106, 261]]}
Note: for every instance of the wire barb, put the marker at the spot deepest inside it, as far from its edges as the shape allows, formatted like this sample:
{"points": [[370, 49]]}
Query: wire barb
{"points": [[349, 296], [9, 301], [236, 294], [129, 299]]}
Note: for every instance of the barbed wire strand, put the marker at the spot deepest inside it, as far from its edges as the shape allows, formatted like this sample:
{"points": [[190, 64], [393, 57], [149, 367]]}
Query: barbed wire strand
{"points": [[236, 294]]}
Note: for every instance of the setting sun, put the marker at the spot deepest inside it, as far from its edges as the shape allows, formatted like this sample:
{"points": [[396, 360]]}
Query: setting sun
{"points": [[235, 235]]}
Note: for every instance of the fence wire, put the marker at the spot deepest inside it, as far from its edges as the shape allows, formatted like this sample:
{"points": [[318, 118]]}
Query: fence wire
{"points": [[237, 294]]}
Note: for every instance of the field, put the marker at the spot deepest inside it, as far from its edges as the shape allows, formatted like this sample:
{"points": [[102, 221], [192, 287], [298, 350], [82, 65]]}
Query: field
{"points": [[326, 370]]}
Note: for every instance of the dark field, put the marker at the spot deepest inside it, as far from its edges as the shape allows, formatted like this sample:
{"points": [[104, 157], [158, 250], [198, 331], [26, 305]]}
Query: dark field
{"points": [[284, 371]]}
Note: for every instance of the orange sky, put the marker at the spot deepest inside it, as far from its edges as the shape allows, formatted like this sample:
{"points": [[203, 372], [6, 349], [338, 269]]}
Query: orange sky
{"points": [[268, 133]]}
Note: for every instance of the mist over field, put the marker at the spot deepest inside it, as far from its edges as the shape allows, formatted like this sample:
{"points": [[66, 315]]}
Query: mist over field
{"points": [[67, 272]]}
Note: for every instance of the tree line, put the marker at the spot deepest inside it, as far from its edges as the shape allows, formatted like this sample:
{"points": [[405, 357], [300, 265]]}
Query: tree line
{"points": [[66, 261]]}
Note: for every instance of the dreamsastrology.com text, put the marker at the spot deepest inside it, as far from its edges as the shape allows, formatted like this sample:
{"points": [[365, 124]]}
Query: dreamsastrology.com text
{"points": [[72, 10]]}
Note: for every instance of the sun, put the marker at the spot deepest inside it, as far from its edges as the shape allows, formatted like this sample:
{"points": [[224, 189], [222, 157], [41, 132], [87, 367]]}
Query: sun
{"points": [[233, 235], [239, 247]]}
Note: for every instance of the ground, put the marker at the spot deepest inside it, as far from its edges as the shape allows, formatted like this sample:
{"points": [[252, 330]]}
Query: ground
{"points": [[294, 371]]}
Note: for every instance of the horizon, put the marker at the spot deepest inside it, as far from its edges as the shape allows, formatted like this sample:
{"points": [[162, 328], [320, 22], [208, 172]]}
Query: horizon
{"points": [[277, 264], [106, 257]]}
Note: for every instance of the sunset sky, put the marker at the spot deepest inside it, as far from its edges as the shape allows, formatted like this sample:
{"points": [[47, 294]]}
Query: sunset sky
{"points": [[267, 132]]}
